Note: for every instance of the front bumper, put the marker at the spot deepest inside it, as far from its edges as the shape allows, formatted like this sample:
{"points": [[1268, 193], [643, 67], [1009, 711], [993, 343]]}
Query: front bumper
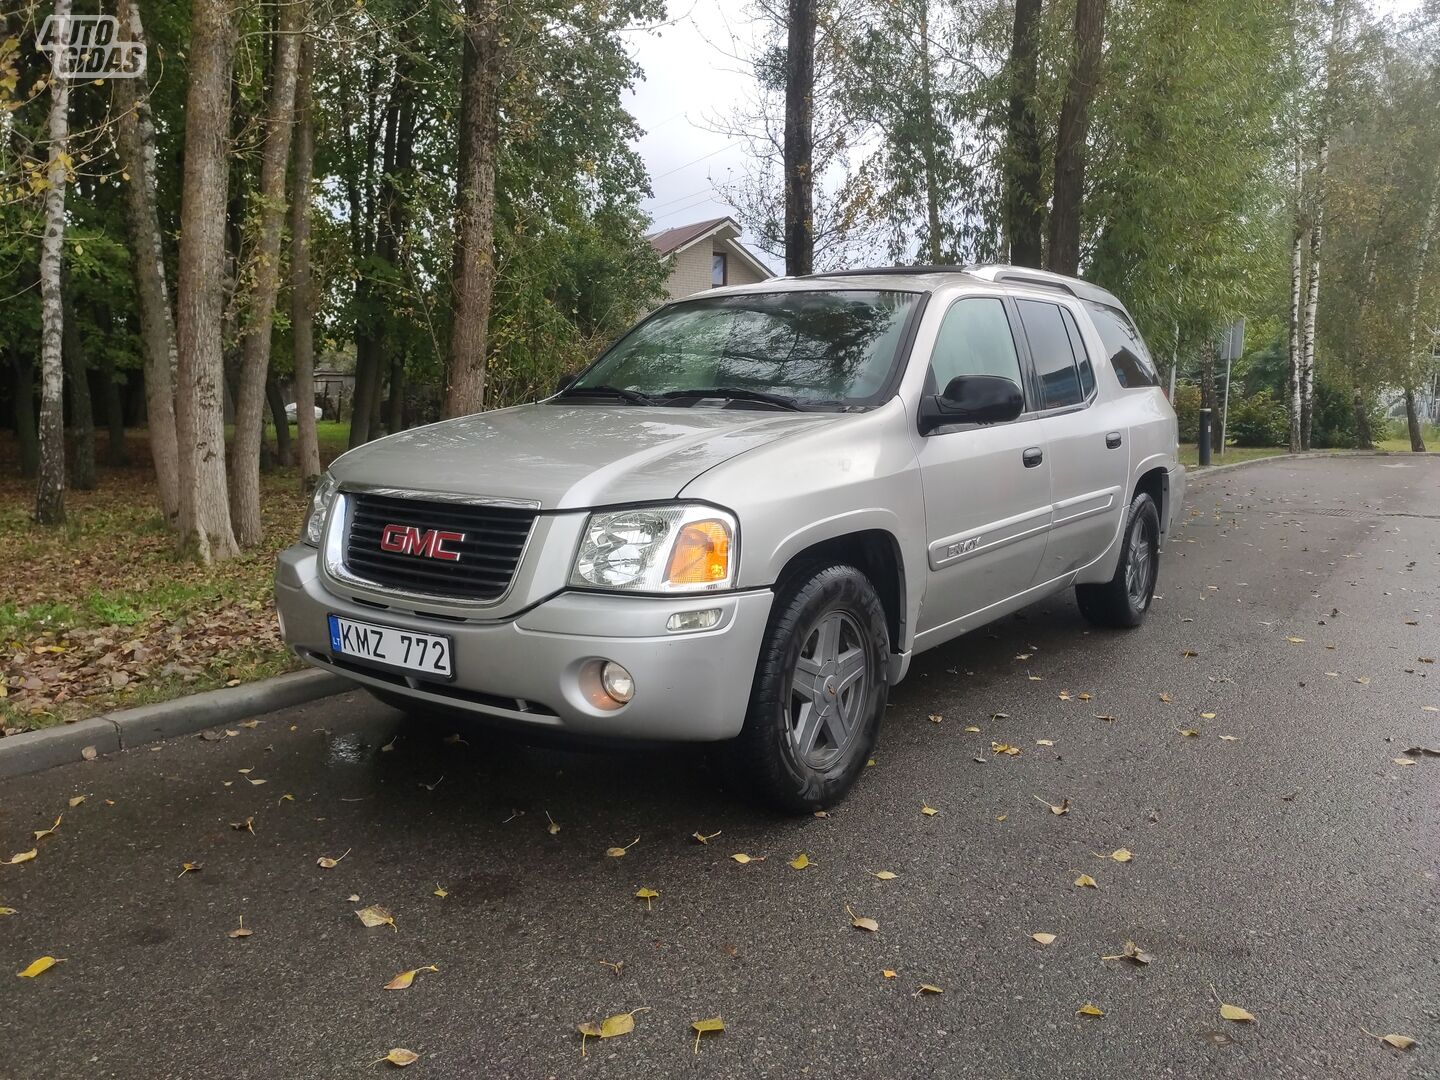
{"points": [[531, 668]]}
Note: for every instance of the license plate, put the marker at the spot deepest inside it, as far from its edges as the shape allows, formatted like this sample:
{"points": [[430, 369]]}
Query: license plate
{"points": [[392, 647]]}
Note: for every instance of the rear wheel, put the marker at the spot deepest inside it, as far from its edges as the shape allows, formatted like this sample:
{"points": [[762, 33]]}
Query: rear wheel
{"points": [[819, 692], [1123, 600]]}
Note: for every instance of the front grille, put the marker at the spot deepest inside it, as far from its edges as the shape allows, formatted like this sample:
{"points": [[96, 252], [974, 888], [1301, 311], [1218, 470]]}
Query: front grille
{"points": [[494, 540]]}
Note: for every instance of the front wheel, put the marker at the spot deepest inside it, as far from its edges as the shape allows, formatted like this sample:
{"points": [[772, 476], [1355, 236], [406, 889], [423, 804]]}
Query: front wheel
{"points": [[1123, 600], [819, 692]]}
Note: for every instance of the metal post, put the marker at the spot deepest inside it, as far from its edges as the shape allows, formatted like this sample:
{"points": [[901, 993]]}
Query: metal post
{"points": [[1204, 437], [1225, 411]]}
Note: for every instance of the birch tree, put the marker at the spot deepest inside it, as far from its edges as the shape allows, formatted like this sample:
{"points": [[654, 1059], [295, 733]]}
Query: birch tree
{"points": [[265, 284], [50, 489]]}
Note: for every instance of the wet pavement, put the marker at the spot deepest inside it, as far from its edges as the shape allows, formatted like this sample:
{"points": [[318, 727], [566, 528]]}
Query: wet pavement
{"points": [[1293, 868]]}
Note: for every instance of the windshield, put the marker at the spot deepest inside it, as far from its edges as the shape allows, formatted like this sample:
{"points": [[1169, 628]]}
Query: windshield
{"points": [[811, 346]]}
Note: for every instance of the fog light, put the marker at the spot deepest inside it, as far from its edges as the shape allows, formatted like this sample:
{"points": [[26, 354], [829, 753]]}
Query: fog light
{"points": [[618, 682], [694, 620]]}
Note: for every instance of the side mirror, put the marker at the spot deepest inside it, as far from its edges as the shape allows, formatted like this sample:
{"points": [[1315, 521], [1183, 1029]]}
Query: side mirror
{"points": [[563, 383], [972, 399]]}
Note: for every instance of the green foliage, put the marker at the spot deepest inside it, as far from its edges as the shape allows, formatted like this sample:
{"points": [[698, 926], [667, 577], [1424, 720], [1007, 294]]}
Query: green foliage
{"points": [[1187, 411], [1257, 420]]}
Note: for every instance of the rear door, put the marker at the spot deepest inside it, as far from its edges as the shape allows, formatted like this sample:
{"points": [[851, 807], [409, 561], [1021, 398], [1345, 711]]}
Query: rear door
{"points": [[987, 488], [1086, 439]]}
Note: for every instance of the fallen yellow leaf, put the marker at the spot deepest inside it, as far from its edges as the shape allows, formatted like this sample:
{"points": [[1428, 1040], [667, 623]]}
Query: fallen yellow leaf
{"points": [[1207, 716], [76, 801], [1296, 640], [1165, 698], [647, 895], [8, 911], [973, 728], [240, 931], [327, 863], [400, 1056], [1089, 1010], [440, 891], [1399, 1042], [801, 861], [375, 915], [704, 838], [1189, 733], [928, 811], [1085, 881], [742, 858], [883, 875], [1131, 952], [861, 924], [24, 856], [701, 1027], [405, 978], [888, 974], [927, 988], [1062, 808], [554, 826], [45, 963], [1236, 1013], [248, 825], [1044, 939], [609, 1028], [1119, 855], [935, 718], [1397, 761], [1044, 742], [188, 868], [617, 852]]}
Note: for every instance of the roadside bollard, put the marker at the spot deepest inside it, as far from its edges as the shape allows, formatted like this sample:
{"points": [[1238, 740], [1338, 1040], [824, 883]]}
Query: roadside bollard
{"points": [[1204, 438]]}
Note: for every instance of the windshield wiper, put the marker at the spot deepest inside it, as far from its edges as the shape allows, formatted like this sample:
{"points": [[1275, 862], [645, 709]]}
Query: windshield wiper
{"points": [[635, 397], [736, 393]]}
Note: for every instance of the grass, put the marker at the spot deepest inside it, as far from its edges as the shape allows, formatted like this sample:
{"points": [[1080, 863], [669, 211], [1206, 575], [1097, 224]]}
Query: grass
{"points": [[1190, 454], [104, 613]]}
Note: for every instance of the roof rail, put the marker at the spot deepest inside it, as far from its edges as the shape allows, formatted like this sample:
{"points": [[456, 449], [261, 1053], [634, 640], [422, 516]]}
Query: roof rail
{"points": [[1048, 279], [860, 271]]}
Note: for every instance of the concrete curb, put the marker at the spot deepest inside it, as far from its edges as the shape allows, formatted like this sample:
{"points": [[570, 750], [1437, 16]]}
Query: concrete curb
{"points": [[1196, 474], [37, 750]]}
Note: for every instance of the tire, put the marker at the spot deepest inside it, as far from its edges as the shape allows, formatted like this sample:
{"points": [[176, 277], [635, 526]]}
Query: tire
{"points": [[1125, 598], [824, 663]]}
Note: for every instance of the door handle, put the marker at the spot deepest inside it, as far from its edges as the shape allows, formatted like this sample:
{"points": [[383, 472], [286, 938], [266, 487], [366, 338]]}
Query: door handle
{"points": [[1112, 440], [1033, 457]]}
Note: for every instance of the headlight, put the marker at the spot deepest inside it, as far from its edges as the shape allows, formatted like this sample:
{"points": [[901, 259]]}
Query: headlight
{"points": [[671, 549], [319, 507]]}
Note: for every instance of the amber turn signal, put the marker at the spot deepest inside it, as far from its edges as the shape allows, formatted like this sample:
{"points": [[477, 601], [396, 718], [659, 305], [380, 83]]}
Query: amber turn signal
{"points": [[701, 554]]}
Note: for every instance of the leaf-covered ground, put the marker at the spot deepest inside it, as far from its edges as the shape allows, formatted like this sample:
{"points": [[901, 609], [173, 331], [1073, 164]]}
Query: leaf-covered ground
{"points": [[103, 613], [1201, 849]]}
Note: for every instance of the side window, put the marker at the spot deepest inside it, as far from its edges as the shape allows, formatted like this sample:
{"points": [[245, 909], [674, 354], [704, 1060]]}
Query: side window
{"points": [[1077, 344], [974, 339], [1128, 355], [1050, 349]]}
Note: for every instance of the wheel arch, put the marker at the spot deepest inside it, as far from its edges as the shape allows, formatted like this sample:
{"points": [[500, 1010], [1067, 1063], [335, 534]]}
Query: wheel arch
{"points": [[876, 553]]}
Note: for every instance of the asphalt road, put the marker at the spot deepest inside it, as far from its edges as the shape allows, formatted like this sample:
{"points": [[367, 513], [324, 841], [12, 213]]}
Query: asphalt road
{"points": [[1292, 868]]}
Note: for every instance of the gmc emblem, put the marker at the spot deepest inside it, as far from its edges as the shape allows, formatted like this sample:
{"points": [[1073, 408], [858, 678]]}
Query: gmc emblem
{"points": [[430, 543]]}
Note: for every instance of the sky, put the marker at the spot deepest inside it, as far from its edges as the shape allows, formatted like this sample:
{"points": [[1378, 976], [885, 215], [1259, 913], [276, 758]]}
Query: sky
{"points": [[690, 82]]}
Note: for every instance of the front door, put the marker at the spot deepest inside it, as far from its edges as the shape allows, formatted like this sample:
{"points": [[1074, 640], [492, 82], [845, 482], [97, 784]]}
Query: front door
{"points": [[987, 487]]}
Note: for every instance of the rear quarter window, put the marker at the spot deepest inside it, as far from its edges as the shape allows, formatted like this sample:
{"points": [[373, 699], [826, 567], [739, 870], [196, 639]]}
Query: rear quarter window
{"points": [[1128, 355]]}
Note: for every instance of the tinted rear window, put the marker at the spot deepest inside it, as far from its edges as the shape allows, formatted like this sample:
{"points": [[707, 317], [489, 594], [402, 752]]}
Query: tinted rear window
{"points": [[1051, 351], [1128, 355]]}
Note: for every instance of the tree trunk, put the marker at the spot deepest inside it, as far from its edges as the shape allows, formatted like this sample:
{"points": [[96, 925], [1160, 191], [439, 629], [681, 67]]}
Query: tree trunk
{"points": [[395, 404], [116, 454], [1312, 296], [1074, 129], [50, 488], [284, 452], [1364, 437], [82, 412], [1024, 200], [473, 273], [204, 502], [1412, 422], [302, 289], [135, 141], [799, 146], [260, 319], [932, 182], [25, 417], [1297, 244]]}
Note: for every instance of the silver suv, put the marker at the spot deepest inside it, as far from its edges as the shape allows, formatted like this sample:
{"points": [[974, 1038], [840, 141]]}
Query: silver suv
{"points": [[745, 518]]}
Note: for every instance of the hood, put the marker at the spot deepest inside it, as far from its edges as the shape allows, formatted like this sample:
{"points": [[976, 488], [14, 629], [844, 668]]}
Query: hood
{"points": [[569, 456]]}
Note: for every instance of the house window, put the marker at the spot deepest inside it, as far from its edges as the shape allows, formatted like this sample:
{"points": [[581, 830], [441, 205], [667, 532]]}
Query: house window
{"points": [[718, 271]]}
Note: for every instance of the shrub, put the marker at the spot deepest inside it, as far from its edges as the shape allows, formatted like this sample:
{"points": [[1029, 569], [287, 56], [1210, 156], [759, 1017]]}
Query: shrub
{"points": [[1258, 420], [1187, 411]]}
